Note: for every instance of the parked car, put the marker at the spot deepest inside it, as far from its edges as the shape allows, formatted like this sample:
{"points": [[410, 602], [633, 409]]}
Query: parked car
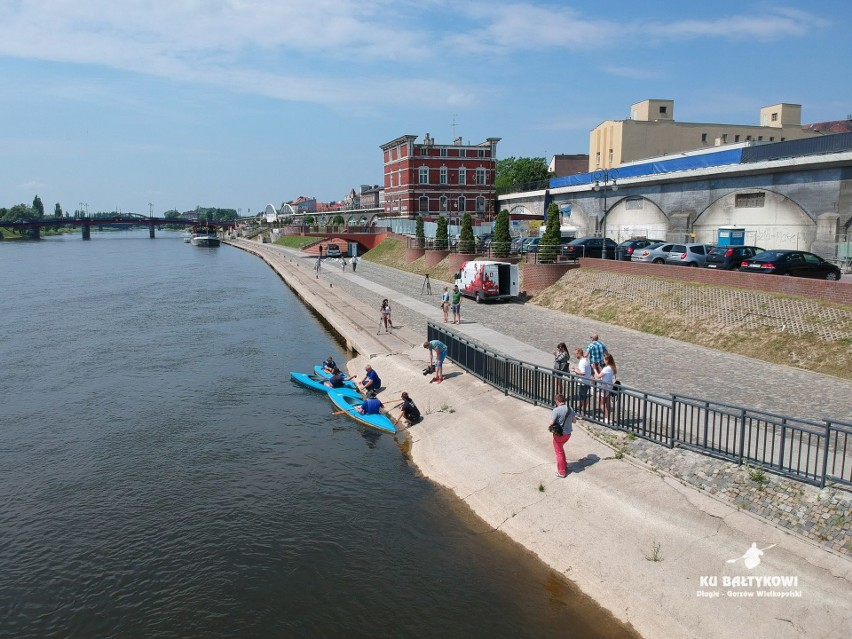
{"points": [[625, 250], [654, 253], [729, 258], [589, 247], [332, 250], [691, 254], [790, 262], [536, 244], [516, 244]]}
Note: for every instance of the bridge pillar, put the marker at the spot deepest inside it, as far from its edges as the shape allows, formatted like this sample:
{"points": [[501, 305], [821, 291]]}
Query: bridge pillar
{"points": [[151, 230], [86, 231], [34, 232]]}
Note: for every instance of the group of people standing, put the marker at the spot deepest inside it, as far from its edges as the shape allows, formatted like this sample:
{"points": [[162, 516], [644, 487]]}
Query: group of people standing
{"points": [[595, 362], [451, 301]]}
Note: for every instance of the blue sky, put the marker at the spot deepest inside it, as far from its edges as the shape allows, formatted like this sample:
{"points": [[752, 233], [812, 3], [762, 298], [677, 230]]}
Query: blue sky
{"points": [[240, 103]]}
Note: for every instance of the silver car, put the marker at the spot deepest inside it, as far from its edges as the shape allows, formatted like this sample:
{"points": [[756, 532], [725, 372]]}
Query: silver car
{"points": [[688, 254], [653, 254]]}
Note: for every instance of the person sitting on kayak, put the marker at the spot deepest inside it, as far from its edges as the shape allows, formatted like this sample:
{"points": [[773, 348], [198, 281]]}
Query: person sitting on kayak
{"points": [[328, 365], [337, 379], [371, 406], [409, 411], [371, 382]]}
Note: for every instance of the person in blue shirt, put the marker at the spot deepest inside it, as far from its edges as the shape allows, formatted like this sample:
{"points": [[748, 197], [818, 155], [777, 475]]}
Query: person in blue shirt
{"points": [[371, 406], [440, 352], [337, 379], [371, 381], [328, 364]]}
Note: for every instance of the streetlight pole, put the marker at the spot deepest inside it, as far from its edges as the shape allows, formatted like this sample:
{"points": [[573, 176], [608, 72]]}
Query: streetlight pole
{"points": [[603, 177]]}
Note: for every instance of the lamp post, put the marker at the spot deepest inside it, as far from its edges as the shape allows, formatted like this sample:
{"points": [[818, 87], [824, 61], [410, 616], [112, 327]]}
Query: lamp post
{"points": [[605, 181]]}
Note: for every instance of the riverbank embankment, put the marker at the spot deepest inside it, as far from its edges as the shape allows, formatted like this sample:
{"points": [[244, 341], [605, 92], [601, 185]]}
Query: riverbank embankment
{"points": [[668, 559]]}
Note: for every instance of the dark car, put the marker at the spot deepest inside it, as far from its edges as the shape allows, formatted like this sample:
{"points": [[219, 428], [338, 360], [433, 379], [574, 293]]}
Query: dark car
{"points": [[729, 258], [589, 247], [624, 251], [789, 262]]}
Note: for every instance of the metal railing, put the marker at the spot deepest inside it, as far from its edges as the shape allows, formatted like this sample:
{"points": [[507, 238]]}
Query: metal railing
{"points": [[806, 450]]}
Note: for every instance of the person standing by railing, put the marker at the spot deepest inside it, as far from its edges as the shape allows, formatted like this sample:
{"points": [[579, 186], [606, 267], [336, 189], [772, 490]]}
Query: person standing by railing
{"points": [[560, 363], [596, 350], [583, 370], [606, 379], [440, 352], [445, 303]]}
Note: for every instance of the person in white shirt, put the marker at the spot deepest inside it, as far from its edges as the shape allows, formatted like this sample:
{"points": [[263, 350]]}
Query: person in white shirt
{"points": [[583, 370], [606, 378]]}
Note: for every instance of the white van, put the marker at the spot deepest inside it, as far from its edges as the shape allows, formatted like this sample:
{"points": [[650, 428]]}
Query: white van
{"points": [[483, 280]]}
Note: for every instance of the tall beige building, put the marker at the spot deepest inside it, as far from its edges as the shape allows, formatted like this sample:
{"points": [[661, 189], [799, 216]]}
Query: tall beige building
{"points": [[652, 131]]}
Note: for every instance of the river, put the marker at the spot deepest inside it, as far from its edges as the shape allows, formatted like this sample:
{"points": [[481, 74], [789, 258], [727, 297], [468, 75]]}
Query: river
{"points": [[160, 476]]}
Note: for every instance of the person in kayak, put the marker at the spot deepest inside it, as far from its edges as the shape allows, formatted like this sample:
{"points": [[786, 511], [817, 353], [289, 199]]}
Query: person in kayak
{"points": [[371, 406], [337, 379], [328, 364]]}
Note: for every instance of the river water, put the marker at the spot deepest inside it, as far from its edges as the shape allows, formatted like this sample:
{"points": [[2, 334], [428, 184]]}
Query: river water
{"points": [[160, 476]]}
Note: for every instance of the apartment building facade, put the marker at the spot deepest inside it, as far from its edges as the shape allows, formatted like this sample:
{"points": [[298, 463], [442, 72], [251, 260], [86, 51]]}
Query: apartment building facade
{"points": [[429, 179]]}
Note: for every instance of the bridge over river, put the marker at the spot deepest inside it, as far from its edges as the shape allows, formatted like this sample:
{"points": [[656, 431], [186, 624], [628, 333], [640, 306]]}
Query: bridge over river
{"points": [[85, 223]]}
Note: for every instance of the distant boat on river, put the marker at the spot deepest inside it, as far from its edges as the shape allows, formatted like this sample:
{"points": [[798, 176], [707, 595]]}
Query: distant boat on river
{"points": [[205, 237]]}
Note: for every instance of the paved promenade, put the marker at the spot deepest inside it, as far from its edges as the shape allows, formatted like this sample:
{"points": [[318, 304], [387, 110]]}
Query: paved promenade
{"points": [[655, 552]]}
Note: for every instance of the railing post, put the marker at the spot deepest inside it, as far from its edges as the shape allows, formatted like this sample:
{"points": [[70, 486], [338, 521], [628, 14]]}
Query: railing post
{"points": [[742, 435], [782, 446], [672, 422], [825, 453]]}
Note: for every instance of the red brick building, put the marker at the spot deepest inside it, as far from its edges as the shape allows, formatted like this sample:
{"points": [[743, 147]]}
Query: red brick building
{"points": [[431, 179]]}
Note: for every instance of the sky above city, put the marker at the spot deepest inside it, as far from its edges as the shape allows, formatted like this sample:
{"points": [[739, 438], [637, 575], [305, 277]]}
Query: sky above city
{"points": [[145, 105]]}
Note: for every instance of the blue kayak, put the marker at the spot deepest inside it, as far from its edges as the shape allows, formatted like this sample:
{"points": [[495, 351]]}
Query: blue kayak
{"points": [[348, 403], [315, 382]]}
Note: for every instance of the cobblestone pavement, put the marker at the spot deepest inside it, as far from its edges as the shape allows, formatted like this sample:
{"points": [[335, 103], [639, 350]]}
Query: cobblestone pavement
{"points": [[658, 364]]}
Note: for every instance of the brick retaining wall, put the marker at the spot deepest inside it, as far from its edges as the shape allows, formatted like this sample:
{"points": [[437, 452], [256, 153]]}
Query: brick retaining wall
{"points": [[839, 292], [537, 277], [434, 257]]}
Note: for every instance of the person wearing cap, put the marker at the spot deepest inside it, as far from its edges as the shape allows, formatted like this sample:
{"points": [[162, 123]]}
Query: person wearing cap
{"points": [[440, 352], [371, 406], [371, 381], [328, 364], [596, 350]]}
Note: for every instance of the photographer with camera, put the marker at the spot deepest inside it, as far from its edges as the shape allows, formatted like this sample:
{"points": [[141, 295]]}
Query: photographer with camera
{"points": [[561, 425], [440, 352]]}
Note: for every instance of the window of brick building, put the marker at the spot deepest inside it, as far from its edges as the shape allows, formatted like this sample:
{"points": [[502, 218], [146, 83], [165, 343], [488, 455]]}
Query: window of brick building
{"points": [[423, 204], [443, 203], [462, 204], [480, 204], [480, 176], [443, 175], [424, 175]]}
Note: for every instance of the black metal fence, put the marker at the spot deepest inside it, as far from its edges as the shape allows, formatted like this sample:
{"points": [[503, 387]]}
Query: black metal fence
{"points": [[805, 450]]}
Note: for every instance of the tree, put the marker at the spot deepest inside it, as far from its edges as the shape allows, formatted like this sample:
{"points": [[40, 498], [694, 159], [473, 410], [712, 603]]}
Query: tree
{"points": [[550, 240], [419, 232], [309, 219], [338, 220], [514, 172], [442, 236], [57, 210], [502, 240], [38, 207], [466, 241]]}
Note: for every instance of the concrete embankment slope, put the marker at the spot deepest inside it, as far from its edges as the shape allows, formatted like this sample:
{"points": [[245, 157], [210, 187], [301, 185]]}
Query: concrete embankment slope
{"points": [[661, 556]]}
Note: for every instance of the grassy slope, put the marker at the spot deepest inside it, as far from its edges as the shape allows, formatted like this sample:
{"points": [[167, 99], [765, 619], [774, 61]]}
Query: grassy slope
{"points": [[806, 351]]}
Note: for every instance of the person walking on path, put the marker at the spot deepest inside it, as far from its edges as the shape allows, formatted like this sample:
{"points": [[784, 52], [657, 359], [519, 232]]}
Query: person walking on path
{"points": [[456, 305], [409, 411], [354, 263], [583, 370], [343, 264], [440, 352], [318, 265], [445, 303], [385, 310], [606, 380], [596, 350], [561, 426], [372, 381]]}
